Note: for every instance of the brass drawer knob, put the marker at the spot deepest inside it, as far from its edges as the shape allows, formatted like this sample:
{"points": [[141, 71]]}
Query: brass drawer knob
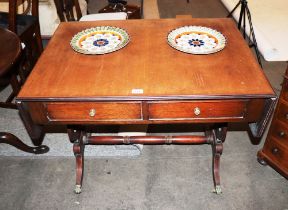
{"points": [[281, 133], [197, 111], [275, 151], [92, 112]]}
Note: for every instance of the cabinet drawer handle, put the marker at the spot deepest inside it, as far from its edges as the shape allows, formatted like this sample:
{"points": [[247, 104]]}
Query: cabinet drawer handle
{"points": [[275, 151], [281, 133], [197, 111], [92, 112], [286, 116]]}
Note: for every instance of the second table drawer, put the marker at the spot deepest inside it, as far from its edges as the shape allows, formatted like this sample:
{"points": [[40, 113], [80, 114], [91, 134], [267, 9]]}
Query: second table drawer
{"points": [[198, 109], [93, 111]]}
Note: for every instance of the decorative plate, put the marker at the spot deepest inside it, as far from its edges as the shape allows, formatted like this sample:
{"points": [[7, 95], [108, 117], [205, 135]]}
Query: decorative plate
{"points": [[100, 40], [196, 40]]}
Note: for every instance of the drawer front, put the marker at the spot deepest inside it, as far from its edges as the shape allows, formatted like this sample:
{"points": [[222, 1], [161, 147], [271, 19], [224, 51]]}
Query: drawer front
{"points": [[282, 113], [284, 91], [277, 153], [279, 131], [230, 109], [90, 111]]}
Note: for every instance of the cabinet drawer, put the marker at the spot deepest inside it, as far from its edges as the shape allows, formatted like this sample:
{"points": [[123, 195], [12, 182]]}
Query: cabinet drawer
{"points": [[284, 91], [282, 113], [90, 111], [230, 109], [277, 153], [280, 132]]}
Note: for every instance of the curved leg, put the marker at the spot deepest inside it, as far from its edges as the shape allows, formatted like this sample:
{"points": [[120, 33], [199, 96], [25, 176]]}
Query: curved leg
{"points": [[218, 136], [217, 148], [78, 149], [9, 138]]}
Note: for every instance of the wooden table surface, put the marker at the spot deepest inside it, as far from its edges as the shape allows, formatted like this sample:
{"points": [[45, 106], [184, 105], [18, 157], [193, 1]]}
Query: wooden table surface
{"points": [[146, 63]]}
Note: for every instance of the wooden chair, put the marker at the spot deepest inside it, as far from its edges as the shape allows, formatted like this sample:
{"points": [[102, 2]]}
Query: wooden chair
{"points": [[65, 10], [27, 27], [10, 52]]}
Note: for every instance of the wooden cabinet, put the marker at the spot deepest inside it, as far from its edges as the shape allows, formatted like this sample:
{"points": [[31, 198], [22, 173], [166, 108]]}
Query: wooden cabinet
{"points": [[275, 150]]}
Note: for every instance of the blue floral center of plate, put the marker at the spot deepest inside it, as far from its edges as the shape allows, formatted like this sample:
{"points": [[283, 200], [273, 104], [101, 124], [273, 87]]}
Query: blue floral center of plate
{"points": [[100, 42], [196, 42]]}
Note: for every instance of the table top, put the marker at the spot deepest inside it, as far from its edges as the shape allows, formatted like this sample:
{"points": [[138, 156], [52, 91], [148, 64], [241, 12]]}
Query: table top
{"points": [[9, 51], [147, 63]]}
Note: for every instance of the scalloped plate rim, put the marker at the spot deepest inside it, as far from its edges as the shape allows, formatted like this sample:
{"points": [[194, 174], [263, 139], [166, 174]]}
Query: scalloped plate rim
{"points": [[86, 31], [215, 50]]}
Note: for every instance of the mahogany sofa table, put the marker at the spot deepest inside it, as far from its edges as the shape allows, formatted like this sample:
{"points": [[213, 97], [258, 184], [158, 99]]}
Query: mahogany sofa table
{"points": [[146, 82]]}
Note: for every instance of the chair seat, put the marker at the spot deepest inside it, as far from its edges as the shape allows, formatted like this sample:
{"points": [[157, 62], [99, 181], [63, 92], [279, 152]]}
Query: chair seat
{"points": [[23, 22]]}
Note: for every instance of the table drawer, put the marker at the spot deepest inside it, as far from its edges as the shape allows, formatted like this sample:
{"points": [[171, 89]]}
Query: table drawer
{"points": [[93, 111], [198, 110], [277, 153]]}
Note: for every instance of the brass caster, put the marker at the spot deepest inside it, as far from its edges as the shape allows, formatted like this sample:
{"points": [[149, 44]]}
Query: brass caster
{"points": [[77, 189], [261, 161], [217, 190]]}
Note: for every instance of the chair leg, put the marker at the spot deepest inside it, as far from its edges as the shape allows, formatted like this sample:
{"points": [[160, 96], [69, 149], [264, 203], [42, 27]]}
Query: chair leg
{"points": [[31, 53], [15, 89], [15, 84], [38, 40], [22, 67]]}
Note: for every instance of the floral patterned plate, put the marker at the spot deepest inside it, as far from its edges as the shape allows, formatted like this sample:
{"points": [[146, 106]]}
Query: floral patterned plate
{"points": [[196, 40], [100, 40]]}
